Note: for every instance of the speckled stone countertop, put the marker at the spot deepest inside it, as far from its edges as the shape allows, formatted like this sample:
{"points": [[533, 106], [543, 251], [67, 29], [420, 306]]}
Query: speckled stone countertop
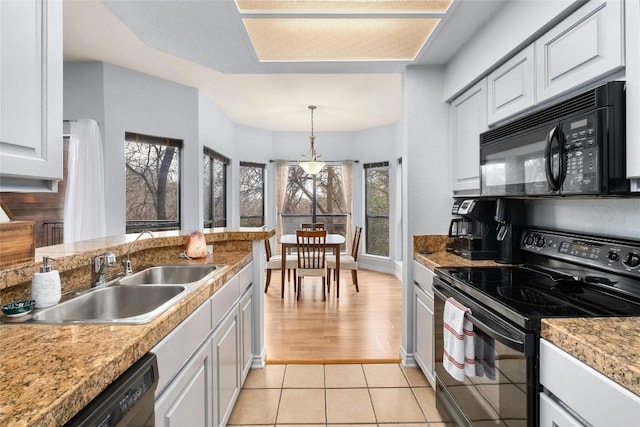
{"points": [[50, 372], [609, 345]]}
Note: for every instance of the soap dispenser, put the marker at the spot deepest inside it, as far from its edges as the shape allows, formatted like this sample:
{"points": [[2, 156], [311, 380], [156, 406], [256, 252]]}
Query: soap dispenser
{"points": [[45, 285]]}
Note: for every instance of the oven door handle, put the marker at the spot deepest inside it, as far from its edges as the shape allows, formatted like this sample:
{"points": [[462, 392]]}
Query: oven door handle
{"points": [[513, 342]]}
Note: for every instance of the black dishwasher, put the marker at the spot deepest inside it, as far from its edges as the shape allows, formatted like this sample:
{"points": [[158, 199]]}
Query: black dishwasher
{"points": [[128, 401]]}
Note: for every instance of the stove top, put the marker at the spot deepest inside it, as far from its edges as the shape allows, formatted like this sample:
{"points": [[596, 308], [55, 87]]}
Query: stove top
{"points": [[564, 276]]}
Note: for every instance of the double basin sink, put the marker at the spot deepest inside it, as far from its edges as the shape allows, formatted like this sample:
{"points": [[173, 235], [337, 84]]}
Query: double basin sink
{"points": [[134, 299]]}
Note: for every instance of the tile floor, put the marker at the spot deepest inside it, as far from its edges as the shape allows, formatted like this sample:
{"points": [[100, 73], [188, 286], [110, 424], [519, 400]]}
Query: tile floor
{"points": [[326, 395]]}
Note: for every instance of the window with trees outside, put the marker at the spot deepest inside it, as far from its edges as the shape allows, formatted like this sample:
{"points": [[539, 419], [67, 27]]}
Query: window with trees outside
{"points": [[377, 208], [251, 194], [215, 189], [152, 182], [315, 198]]}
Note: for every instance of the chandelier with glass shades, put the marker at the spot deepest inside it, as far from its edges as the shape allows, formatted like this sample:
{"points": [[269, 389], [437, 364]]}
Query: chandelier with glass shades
{"points": [[309, 162]]}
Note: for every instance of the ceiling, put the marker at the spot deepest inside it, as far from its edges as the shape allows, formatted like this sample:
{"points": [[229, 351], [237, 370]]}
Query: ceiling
{"points": [[204, 44]]}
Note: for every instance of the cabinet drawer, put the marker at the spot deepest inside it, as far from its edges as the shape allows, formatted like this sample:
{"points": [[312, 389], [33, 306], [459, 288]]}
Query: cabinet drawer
{"points": [[424, 277], [596, 398], [176, 348], [224, 299]]}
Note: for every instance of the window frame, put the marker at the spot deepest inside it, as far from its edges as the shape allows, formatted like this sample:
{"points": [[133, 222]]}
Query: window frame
{"points": [[367, 216], [156, 225], [213, 156], [262, 167]]}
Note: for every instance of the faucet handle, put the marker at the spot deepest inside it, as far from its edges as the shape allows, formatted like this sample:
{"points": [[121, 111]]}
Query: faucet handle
{"points": [[104, 260]]}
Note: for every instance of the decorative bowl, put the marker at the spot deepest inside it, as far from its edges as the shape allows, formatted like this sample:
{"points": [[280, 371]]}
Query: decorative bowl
{"points": [[18, 308]]}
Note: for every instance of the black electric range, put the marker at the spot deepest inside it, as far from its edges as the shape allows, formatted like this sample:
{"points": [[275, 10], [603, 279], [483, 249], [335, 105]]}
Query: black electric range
{"points": [[565, 275]]}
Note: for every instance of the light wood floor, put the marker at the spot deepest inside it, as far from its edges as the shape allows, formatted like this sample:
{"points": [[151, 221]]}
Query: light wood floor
{"points": [[358, 327]]}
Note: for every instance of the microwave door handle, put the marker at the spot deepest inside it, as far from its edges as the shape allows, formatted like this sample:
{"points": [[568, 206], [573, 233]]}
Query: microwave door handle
{"points": [[554, 182]]}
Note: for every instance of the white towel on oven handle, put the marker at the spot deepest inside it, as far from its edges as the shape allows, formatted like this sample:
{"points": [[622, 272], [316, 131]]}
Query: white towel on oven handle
{"points": [[459, 353]]}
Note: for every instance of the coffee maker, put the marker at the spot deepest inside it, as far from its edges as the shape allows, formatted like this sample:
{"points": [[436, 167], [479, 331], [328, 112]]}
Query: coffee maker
{"points": [[473, 230]]}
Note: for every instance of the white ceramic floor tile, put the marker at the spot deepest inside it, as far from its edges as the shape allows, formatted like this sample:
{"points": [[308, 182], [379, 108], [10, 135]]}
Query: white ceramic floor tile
{"points": [[349, 405], [304, 376], [344, 376], [384, 375]]}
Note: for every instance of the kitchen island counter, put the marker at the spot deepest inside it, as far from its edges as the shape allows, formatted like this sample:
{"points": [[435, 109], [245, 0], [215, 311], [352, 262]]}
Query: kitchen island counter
{"points": [[50, 372]]}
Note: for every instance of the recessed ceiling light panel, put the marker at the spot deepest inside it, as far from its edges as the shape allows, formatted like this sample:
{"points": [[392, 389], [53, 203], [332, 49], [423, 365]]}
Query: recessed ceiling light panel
{"points": [[336, 39]]}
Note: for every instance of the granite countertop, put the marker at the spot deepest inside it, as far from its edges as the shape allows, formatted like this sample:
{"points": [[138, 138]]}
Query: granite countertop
{"points": [[609, 345], [50, 372]]}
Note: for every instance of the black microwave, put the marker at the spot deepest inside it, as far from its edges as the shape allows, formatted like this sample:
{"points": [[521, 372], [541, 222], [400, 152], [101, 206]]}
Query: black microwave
{"points": [[576, 147]]}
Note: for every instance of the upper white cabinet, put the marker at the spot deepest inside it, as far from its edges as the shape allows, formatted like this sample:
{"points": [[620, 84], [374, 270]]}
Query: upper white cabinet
{"points": [[31, 95], [511, 88], [584, 47], [468, 120]]}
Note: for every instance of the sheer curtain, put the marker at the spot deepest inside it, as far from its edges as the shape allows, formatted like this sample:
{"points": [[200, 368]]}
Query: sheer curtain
{"points": [[282, 175], [346, 169], [84, 205]]}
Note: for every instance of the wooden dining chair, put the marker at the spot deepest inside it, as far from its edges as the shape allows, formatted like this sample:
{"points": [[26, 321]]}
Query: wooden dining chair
{"points": [[274, 262], [311, 257], [347, 262], [312, 226]]}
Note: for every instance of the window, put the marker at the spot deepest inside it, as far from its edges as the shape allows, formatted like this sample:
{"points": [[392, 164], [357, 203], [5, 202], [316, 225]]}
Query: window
{"points": [[152, 182], [251, 194], [315, 198], [215, 189], [377, 208]]}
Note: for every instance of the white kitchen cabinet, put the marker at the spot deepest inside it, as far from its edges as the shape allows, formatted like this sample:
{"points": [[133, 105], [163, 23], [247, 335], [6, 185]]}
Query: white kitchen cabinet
{"points": [[203, 362], [31, 101], [576, 394], [584, 47], [185, 402], [226, 369], [424, 322], [468, 121], [246, 332], [511, 87]]}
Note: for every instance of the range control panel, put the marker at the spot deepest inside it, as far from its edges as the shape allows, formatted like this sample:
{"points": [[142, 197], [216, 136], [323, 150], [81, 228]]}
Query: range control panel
{"points": [[611, 254]]}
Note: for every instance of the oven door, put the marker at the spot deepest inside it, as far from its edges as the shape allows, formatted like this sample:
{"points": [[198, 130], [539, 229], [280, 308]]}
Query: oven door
{"points": [[504, 390]]}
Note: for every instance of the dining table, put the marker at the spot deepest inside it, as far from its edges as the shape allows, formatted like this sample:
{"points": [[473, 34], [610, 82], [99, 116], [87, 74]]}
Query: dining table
{"points": [[333, 241]]}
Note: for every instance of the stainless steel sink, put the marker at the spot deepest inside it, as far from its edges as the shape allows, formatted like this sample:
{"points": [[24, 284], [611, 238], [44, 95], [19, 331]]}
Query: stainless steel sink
{"points": [[168, 274], [113, 304]]}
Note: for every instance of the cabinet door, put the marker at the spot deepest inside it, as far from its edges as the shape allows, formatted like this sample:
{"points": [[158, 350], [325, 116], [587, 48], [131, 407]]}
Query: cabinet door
{"points": [[584, 47], [226, 369], [31, 101], [510, 88], [246, 316], [554, 415], [424, 337], [186, 401], [468, 120]]}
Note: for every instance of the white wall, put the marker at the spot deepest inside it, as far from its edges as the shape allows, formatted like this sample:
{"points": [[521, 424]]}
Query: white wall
{"points": [[426, 173]]}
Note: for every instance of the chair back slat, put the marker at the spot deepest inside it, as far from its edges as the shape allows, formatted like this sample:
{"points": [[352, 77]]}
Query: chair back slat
{"points": [[356, 242], [267, 249], [311, 249]]}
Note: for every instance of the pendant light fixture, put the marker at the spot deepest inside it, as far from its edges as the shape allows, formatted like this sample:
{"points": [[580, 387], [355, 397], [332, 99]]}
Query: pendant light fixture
{"points": [[309, 162]]}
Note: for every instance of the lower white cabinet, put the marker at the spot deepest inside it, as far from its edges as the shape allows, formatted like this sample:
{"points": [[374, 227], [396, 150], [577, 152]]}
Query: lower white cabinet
{"points": [[423, 324], [202, 363], [185, 402], [574, 394], [226, 369]]}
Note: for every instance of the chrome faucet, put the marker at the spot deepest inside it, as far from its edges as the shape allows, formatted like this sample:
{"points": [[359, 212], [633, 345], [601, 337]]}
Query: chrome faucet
{"points": [[127, 263], [100, 264]]}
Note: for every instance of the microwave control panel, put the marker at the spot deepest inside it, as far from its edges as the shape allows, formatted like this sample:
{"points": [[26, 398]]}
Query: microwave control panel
{"points": [[581, 155]]}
